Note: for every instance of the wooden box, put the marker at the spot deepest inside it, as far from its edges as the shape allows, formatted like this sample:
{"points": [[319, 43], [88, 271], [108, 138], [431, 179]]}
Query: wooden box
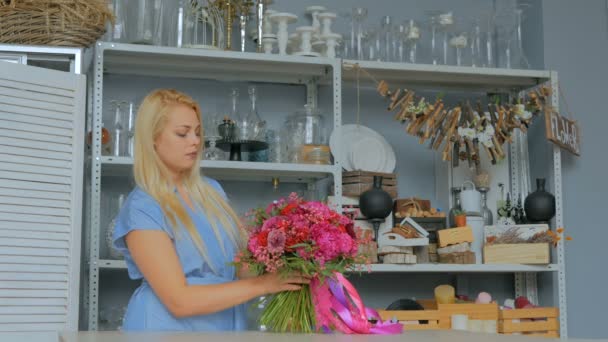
{"points": [[536, 321], [401, 204], [467, 257], [455, 235], [430, 224], [485, 312], [354, 183], [520, 253], [413, 319]]}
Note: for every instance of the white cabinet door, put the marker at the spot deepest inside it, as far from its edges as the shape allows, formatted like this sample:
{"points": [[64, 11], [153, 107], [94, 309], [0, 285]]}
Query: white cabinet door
{"points": [[41, 168]]}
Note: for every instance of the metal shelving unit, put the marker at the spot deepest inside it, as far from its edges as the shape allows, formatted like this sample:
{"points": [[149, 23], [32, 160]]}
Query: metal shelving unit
{"points": [[237, 170], [417, 268], [126, 59], [447, 76]]}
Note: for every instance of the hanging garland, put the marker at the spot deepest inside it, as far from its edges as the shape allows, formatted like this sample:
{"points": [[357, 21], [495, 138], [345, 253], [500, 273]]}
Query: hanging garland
{"points": [[463, 130]]}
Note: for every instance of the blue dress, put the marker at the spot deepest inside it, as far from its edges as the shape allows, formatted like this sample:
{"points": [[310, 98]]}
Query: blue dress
{"points": [[145, 310]]}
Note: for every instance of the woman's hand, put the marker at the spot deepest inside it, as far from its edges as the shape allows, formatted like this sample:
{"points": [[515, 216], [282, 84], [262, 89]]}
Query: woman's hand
{"points": [[276, 282]]}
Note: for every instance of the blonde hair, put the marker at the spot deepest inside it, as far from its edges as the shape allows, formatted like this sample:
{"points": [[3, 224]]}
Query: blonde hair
{"points": [[153, 176]]}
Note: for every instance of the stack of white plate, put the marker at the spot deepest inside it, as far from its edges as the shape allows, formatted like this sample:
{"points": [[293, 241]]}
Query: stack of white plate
{"points": [[362, 148]]}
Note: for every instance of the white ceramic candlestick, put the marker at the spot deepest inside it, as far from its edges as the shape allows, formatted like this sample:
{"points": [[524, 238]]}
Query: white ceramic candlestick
{"points": [[267, 25], [319, 46], [314, 12], [326, 19], [294, 43], [305, 36], [282, 35], [331, 40], [268, 41]]}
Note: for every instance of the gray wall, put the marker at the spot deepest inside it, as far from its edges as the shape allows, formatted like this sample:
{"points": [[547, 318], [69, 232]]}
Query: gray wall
{"points": [[576, 45]]}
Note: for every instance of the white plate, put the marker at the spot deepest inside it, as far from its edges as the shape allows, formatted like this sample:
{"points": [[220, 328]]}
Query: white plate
{"points": [[349, 134], [366, 155], [358, 132]]}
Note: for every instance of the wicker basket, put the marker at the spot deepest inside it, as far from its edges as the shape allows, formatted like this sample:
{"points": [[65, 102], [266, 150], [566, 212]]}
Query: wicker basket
{"points": [[53, 22]]}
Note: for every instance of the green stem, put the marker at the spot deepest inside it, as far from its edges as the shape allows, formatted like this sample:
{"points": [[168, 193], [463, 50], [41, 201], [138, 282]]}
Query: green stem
{"points": [[289, 311]]}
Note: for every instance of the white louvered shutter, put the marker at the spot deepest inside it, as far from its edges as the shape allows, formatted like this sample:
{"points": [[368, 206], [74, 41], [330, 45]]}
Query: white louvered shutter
{"points": [[41, 170]]}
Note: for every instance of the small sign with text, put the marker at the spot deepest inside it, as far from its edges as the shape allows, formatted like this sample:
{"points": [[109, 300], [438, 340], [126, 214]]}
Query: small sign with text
{"points": [[563, 132]]}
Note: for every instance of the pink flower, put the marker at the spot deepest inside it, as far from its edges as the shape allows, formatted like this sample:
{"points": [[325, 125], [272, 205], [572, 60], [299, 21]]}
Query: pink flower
{"points": [[276, 241]]}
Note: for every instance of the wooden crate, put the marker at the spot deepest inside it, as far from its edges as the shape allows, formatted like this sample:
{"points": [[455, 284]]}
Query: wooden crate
{"points": [[354, 183], [461, 258], [520, 253], [486, 312], [536, 321], [368, 177], [455, 235], [413, 319]]}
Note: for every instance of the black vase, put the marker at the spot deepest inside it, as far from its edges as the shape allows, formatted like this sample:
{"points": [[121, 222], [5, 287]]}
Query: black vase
{"points": [[540, 205], [376, 204]]}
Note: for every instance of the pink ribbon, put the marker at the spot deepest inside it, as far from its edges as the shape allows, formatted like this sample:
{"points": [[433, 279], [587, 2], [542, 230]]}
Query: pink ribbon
{"points": [[338, 306]]}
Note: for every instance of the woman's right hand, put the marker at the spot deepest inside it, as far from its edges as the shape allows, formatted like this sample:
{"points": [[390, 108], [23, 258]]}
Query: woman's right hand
{"points": [[276, 282]]}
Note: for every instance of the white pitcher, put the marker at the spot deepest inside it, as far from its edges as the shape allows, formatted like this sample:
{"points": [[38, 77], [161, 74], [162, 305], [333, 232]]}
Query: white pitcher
{"points": [[470, 199]]}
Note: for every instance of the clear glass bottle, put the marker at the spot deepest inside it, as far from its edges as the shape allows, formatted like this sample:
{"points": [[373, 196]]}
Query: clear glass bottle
{"points": [[455, 207], [131, 128], [446, 23], [475, 45], [386, 53], [359, 16], [522, 60], [433, 25], [258, 126], [488, 218], [242, 125], [275, 147], [413, 35], [112, 252], [118, 141]]}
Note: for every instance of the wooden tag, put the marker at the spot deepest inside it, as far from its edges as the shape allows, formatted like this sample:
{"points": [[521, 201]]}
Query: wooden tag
{"points": [[563, 132]]}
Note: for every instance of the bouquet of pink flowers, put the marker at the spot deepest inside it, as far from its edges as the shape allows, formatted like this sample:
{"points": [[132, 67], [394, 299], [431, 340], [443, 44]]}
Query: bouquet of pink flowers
{"points": [[309, 237]]}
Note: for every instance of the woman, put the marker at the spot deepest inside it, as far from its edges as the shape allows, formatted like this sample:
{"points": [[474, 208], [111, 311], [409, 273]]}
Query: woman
{"points": [[178, 233]]}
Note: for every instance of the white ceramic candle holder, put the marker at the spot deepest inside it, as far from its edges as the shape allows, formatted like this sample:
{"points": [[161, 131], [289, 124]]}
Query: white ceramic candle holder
{"points": [[314, 12], [319, 46], [326, 19], [293, 45], [268, 41], [267, 24], [283, 19], [331, 41], [305, 41]]}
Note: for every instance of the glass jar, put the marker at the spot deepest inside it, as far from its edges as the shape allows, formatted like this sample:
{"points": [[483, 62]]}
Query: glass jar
{"points": [[311, 122], [144, 21]]}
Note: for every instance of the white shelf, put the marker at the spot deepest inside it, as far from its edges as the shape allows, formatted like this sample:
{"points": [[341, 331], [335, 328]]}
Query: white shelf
{"points": [[161, 61], [465, 78], [236, 170], [420, 268], [456, 268]]}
